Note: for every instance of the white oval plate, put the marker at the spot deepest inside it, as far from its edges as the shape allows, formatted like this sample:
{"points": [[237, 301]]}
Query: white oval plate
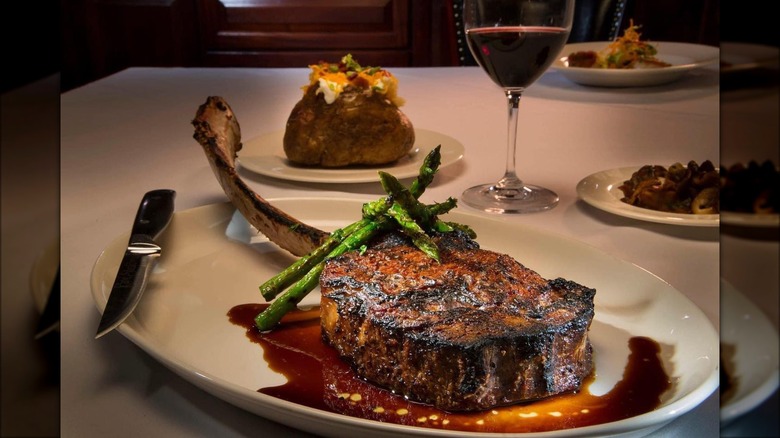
{"points": [[601, 191], [754, 339], [684, 58], [213, 260], [265, 155]]}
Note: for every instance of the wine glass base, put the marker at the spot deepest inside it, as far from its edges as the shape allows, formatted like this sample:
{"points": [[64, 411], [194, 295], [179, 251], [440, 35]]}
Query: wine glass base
{"points": [[524, 199]]}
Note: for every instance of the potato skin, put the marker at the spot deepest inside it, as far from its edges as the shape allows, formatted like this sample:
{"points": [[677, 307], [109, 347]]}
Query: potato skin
{"points": [[358, 128]]}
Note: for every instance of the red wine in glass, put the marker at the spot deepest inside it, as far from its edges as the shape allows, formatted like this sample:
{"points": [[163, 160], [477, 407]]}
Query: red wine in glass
{"points": [[515, 42], [514, 57]]}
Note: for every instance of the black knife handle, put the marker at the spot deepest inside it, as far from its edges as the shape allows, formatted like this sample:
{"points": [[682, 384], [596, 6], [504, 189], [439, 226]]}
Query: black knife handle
{"points": [[154, 213]]}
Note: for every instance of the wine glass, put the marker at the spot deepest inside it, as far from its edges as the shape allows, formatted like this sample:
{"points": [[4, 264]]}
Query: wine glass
{"points": [[515, 41]]}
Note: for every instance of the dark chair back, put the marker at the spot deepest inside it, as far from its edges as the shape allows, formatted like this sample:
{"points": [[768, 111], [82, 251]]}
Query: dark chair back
{"points": [[594, 20], [598, 20]]}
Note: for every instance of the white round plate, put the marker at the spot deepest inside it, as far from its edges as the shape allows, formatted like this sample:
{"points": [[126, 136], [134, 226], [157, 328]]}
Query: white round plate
{"points": [[265, 155], [213, 260], [754, 363], [601, 191], [684, 58], [43, 272]]}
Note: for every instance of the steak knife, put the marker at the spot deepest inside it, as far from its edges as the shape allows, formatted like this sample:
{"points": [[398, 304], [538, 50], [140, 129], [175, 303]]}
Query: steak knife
{"points": [[141, 255]]}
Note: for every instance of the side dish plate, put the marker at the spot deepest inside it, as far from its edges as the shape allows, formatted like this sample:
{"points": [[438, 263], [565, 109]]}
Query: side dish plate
{"points": [[684, 58], [215, 260], [264, 155], [601, 191]]}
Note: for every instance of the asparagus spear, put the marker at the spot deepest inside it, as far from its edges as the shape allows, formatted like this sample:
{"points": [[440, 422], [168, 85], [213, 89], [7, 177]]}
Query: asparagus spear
{"points": [[411, 215], [451, 226], [439, 208], [442, 226], [292, 296], [412, 229], [428, 170], [305, 272], [271, 288], [305, 284], [403, 198], [307, 280], [424, 178]]}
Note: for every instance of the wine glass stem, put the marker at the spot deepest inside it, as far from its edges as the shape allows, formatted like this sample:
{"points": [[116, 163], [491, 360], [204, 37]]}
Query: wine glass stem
{"points": [[510, 179]]}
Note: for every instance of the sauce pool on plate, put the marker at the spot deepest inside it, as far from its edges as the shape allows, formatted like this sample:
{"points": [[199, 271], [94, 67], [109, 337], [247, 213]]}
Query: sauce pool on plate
{"points": [[318, 378]]}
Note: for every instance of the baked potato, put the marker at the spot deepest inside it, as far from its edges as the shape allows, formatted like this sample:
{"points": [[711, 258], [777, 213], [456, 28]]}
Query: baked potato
{"points": [[348, 115]]}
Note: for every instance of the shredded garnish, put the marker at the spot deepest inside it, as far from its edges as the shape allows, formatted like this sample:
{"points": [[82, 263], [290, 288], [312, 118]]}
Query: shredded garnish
{"points": [[626, 52], [333, 78]]}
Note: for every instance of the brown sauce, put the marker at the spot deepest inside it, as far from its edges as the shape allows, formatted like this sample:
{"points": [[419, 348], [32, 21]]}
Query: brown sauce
{"points": [[319, 379]]}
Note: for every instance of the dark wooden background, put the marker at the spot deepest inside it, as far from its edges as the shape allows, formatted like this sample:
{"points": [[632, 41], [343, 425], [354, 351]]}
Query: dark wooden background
{"points": [[101, 37], [96, 38], [107, 35]]}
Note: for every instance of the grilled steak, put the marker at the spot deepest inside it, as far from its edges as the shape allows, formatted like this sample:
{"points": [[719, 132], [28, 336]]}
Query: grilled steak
{"points": [[476, 331]]}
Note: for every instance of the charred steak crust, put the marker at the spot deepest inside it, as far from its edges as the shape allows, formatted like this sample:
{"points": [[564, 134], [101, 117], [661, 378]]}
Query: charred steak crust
{"points": [[477, 331]]}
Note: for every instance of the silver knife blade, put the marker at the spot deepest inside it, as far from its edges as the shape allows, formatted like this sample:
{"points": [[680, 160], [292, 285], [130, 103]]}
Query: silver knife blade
{"points": [[142, 252]]}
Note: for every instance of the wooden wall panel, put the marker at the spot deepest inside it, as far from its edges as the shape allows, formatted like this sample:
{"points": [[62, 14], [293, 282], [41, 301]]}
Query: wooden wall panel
{"points": [[298, 32], [101, 37]]}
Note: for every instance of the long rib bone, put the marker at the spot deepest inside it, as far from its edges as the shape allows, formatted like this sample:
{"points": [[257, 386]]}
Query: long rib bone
{"points": [[218, 131]]}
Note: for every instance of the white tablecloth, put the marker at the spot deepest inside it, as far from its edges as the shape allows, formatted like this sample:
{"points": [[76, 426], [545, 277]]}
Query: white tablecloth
{"points": [[131, 132]]}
